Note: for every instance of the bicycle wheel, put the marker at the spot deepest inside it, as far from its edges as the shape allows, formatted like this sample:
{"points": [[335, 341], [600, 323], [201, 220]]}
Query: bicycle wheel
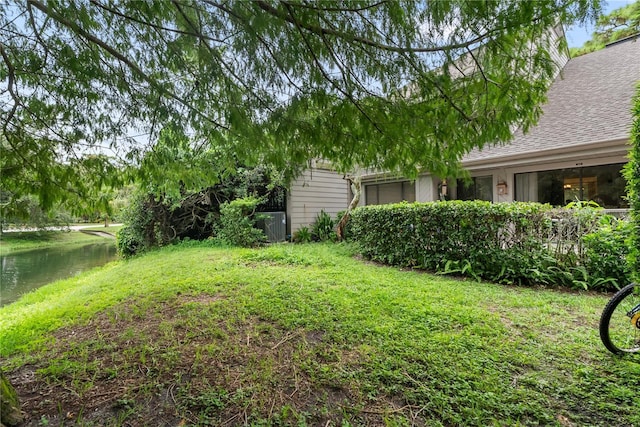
{"points": [[620, 321]]}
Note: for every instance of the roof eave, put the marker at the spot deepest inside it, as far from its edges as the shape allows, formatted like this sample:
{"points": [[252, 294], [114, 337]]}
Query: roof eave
{"points": [[595, 149]]}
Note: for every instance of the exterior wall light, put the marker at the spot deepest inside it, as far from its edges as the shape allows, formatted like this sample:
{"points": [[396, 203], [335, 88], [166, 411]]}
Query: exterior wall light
{"points": [[502, 188]]}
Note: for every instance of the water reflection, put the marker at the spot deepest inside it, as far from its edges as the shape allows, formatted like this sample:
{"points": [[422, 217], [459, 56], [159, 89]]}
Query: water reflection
{"points": [[25, 271]]}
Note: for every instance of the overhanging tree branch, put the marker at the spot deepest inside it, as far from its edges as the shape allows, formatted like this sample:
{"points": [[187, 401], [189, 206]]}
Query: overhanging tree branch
{"points": [[11, 80], [152, 25], [122, 58], [274, 80], [368, 42], [344, 92]]}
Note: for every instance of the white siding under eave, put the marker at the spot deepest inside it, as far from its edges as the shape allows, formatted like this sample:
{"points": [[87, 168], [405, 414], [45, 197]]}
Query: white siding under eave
{"points": [[313, 191], [426, 189]]}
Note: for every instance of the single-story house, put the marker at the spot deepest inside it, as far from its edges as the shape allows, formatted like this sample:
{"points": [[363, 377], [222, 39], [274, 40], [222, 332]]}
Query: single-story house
{"points": [[319, 188], [575, 152]]}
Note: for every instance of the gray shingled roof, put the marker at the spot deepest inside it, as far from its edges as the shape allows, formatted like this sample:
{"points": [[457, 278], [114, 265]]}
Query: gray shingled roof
{"points": [[590, 101]]}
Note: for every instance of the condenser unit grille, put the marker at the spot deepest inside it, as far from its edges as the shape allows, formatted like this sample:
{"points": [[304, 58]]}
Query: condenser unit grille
{"points": [[274, 225]]}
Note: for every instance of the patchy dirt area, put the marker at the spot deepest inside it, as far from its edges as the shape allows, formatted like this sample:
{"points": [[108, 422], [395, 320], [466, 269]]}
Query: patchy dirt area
{"points": [[189, 363]]}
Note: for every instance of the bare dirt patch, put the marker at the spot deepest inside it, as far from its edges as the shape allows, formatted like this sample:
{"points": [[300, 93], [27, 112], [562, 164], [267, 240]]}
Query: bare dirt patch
{"points": [[186, 362]]}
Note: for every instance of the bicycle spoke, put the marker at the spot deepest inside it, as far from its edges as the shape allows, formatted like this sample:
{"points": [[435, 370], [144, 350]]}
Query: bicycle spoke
{"points": [[619, 324]]}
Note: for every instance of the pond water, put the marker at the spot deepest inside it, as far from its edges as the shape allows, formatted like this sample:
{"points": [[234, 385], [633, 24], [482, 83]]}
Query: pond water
{"points": [[23, 272]]}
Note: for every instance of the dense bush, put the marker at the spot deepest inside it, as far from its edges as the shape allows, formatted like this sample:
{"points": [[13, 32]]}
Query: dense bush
{"points": [[522, 243], [137, 235], [606, 252], [236, 226], [154, 219], [632, 173], [153, 222]]}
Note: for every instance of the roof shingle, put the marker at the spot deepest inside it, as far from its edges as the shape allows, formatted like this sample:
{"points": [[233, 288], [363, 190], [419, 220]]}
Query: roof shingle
{"points": [[590, 101]]}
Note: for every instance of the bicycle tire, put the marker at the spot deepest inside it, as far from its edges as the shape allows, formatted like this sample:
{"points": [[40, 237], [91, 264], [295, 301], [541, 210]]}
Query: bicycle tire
{"points": [[620, 331]]}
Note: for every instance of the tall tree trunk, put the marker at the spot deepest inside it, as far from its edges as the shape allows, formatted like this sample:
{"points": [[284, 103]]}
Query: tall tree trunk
{"points": [[356, 189]]}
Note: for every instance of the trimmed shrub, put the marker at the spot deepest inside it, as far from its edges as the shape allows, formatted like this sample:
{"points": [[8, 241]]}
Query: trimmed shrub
{"points": [[454, 236], [514, 243], [606, 252]]}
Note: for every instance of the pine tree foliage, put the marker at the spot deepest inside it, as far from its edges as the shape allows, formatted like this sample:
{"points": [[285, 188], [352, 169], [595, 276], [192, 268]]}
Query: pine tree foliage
{"points": [[619, 24], [401, 85]]}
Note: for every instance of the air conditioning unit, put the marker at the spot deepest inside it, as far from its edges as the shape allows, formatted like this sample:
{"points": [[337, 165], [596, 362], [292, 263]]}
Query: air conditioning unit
{"points": [[274, 225]]}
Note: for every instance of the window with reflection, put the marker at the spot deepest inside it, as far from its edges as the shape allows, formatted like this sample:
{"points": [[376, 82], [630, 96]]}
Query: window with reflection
{"points": [[390, 192], [604, 185], [480, 188]]}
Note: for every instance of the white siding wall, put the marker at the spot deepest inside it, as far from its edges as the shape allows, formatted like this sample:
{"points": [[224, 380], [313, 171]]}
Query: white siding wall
{"points": [[559, 56], [313, 191], [426, 190]]}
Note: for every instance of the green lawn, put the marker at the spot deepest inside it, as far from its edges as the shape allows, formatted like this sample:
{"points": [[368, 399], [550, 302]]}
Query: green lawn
{"points": [[28, 240], [308, 335]]}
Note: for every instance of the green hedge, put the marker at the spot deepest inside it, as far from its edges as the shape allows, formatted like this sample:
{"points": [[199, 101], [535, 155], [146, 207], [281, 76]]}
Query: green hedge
{"points": [[632, 173], [606, 253], [515, 243]]}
